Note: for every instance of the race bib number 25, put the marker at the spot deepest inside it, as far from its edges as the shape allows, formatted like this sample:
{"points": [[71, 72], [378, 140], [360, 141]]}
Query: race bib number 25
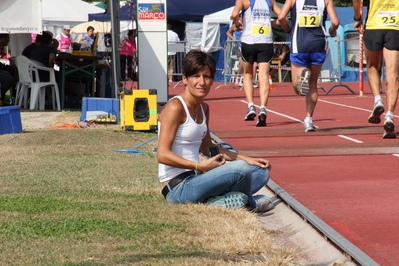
{"points": [[388, 18]]}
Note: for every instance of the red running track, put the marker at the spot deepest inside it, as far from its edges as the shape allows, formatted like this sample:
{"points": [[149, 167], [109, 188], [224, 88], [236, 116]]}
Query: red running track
{"points": [[344, 172]]}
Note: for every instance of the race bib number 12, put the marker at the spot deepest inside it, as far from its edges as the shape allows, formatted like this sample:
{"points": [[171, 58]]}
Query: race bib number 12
{"points": [[309, 19]]}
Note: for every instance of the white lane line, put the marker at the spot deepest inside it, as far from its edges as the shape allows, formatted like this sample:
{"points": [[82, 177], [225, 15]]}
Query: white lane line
{"points": [[351, 139], [344, 105], [349, 106], [300, 121]]}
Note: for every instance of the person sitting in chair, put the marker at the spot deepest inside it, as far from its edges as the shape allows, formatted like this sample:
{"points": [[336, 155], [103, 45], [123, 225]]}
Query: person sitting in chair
{"points": [[45, 54], [282, 52]]}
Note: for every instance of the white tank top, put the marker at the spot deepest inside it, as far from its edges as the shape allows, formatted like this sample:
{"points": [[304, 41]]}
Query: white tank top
{"points": [[257, 23], [186, 144]]}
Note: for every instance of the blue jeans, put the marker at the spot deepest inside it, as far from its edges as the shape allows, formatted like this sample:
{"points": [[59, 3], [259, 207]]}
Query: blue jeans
{"points": [[260, 177], [233, 176]]}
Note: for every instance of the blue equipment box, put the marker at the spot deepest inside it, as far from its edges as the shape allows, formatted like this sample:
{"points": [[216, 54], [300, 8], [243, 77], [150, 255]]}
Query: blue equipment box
{"points": [[10, 120], [100, 109]]}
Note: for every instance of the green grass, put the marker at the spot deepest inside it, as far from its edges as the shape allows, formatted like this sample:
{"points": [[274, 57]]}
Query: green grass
{"points": [[68, 198]]}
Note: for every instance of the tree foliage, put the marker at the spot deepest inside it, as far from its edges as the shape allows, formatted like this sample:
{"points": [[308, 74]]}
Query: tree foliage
{"points": [[342, 3]]}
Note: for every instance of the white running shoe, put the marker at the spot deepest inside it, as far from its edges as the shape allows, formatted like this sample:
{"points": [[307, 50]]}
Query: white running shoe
{"points": [[389, 128], [303, 85], [378, 110], [251, 113], [309, 127], [261, 117]]}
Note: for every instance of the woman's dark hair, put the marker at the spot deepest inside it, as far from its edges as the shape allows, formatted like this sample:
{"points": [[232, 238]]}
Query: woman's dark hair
{"points": [[195, 61], [90, 28], [130, 32]]}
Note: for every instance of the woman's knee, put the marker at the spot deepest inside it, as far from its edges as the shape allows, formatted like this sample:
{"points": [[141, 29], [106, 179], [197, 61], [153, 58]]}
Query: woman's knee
{"points": [[241, 167]]}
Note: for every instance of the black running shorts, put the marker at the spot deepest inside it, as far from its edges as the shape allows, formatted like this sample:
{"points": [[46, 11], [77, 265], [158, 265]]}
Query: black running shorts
{"points": [[259, 52], [375, 40]]}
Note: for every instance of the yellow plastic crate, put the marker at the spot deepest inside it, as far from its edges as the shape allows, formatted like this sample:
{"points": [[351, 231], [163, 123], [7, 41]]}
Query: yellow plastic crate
{"points": [[138, 110]]}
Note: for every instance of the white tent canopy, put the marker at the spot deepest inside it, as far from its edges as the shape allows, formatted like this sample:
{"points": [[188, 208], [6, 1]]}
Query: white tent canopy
{"points": [[56, 13], [33, 16], [20, 16], [220, 17], [67, 11]]}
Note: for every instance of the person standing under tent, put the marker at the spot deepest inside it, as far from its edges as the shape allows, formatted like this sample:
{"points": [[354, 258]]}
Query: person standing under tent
{"points": [[127, 51], [64, 39], [172, 38], [183, 130], [308, 46], [256, 46], [381, 41]]}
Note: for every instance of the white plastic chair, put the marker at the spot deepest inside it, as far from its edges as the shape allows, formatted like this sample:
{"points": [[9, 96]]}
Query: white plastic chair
{"points": [[25, 80], [38, 88], [27, 70]]}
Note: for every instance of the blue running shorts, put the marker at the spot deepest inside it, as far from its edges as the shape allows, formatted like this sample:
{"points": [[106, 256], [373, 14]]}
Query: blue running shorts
{"points": [[307, 59]]}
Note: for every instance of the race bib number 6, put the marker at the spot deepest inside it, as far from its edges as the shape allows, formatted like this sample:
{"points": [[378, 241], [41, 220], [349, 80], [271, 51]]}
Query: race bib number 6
{"points": [[388, 18], [260, 29], [309, 19]]}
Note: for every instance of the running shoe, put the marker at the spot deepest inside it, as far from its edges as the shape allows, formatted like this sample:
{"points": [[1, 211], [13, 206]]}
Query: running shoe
{"points": [[233, 200], [389, 128], [309, 127], [263, 204], [261, 117], [237, 81], [241, 82], [251, 113], [303, 85], [378, 110]]}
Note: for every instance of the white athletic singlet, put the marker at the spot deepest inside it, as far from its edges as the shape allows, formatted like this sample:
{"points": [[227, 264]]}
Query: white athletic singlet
{"points": [[256, 22], [186, 144]]}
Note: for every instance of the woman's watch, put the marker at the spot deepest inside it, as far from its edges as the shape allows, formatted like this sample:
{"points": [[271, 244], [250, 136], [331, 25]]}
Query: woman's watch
{"points": [[357, 19]]}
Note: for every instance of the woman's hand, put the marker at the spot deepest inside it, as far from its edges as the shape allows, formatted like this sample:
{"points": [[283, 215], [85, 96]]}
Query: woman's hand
{"points": [[211, 163], [259, 162]]}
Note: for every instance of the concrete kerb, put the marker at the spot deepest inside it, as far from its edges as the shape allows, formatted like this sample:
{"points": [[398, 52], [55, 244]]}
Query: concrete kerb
{"points": [[297, 233]]}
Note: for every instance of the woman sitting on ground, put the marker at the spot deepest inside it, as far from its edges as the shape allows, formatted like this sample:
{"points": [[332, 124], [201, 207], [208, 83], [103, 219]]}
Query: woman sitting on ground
{"points": [[183, 131]]}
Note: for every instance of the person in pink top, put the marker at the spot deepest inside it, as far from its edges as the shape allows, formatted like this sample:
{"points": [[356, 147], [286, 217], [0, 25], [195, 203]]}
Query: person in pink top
{"points": [[64, 40], [127, 51]]}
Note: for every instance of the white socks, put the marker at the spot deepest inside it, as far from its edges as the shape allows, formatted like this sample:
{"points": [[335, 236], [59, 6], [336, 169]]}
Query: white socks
{"points": [[308, 119]]}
